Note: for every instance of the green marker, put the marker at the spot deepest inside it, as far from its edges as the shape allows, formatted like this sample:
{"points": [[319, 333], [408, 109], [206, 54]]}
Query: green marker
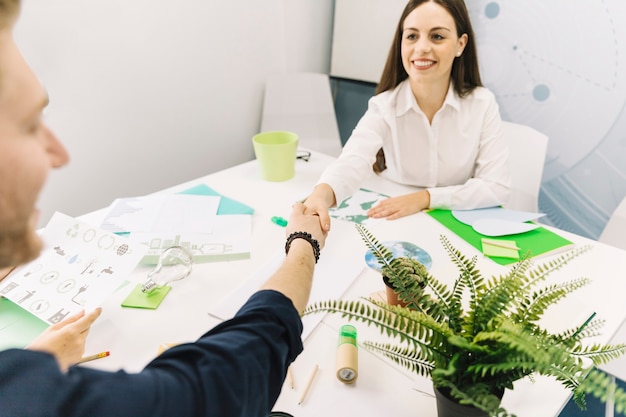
{"points": [[279, 221]]}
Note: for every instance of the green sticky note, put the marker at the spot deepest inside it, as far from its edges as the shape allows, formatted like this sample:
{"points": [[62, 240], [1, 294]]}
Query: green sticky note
{"points": [[139, 299], [500, 248]]}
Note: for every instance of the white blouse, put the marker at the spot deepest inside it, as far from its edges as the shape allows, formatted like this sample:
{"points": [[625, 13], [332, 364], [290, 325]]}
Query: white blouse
{"points": [[461, 158]]}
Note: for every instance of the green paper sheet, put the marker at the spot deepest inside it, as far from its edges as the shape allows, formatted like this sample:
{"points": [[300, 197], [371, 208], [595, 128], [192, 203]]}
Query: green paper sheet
{"points": [[538, 241], [227, 205], [138, 299], [18, 327]]}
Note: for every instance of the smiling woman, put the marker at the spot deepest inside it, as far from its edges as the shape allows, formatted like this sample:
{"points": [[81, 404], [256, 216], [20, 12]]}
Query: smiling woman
{"points": [[430, 125]]}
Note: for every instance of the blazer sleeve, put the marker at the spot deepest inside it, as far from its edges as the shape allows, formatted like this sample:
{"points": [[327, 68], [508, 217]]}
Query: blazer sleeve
{"points": [[235, 369]]}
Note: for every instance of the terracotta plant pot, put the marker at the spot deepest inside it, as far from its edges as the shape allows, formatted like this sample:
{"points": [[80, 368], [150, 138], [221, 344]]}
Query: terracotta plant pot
{"points": [[448, 407], [392, 297]]}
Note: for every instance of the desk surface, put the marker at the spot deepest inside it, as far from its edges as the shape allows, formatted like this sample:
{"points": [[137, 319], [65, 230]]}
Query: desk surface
{"points": [[133, 336]]}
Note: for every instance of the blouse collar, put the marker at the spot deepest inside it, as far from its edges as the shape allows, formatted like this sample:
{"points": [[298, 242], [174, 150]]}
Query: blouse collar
{"points": [[406, 101]]}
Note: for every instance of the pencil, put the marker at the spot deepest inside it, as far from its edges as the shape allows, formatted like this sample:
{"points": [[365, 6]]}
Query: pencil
{"points": [[290, 377], [308, 384], [94, 357]]}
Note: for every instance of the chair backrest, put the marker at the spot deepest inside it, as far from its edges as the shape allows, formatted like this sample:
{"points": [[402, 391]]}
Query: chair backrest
{"points": [[527, 155], [302, 103], [614, 232]]}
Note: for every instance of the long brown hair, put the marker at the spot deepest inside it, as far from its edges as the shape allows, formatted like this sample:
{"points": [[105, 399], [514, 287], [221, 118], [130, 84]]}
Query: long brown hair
{"points": [[465, 74]]}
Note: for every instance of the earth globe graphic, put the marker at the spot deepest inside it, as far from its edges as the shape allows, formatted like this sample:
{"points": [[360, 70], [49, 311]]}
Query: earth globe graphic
{"points": [[122, 249], [400, 249]]}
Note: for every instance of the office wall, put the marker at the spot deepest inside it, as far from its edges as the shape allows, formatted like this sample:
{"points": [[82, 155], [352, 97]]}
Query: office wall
{"points": [[557, 66], [362, 35], [150, 93]]}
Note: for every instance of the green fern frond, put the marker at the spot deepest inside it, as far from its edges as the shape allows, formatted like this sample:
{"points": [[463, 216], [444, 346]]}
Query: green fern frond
{"points": [[516, 338], [409, 326], [600, 385], [600, 354], [381, 252], [470, 277], [403, 356], [592, 329], [540, 272], [546, 297], [496, 300], [441, 296]]}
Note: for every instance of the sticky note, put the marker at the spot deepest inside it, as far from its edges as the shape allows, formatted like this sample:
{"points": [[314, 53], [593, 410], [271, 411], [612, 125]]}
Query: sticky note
{"points": [[139, 299], [500, 248]]}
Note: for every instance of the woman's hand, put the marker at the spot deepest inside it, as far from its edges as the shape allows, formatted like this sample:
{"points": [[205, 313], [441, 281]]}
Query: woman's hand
{"points": [[318, 203], [395, 207], [66, 340]]}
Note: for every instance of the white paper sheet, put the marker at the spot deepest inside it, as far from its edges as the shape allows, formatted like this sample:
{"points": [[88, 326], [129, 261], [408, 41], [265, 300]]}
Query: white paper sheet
{"points": [[471, 216], [177, 213], [498, 227], [230, 239], [498, 221], [79, 267]]}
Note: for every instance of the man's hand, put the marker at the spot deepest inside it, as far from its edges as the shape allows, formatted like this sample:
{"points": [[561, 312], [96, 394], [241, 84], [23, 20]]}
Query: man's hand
{"points": [[66, 340], [303, 221], [318, 203]]}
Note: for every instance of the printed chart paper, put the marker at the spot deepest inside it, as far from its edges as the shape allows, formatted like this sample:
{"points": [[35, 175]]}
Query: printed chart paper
{"points": [[79, 267], [355, 208]]}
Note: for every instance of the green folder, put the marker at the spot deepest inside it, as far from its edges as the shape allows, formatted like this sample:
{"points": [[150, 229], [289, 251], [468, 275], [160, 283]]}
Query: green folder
{"points": [[538, 241]]}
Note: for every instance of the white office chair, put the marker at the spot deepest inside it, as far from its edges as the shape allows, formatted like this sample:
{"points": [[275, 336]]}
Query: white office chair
{"points": [[614, 232], [302, 103], [527, 154]]}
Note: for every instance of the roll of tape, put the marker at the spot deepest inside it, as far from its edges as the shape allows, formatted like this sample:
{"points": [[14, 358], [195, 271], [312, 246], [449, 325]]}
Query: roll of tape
{"points": [[347, 355]]}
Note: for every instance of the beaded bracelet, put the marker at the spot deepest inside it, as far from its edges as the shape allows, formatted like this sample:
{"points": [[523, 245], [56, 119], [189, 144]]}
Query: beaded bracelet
{"points": [[306, 236]]}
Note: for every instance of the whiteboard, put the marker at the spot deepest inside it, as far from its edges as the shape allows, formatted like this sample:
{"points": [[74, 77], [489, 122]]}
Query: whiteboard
{"points": [[362, 34]]}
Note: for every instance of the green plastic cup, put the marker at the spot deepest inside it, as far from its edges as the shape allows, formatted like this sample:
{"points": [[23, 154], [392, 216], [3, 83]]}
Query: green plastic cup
{"points": [[276, 153]]}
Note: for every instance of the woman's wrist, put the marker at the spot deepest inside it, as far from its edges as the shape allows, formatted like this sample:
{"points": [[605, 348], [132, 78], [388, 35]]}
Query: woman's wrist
{"points": [[325, 193]]}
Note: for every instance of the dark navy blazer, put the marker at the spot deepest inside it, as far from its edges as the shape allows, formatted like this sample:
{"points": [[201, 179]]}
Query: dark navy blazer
{"points": [[236, 369]]}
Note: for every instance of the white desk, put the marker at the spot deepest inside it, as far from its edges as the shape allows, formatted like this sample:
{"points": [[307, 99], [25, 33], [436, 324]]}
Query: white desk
{"points": [[134, 335]]}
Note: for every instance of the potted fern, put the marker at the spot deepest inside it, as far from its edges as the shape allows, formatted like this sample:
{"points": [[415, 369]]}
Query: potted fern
{"points": [[476, 339]]}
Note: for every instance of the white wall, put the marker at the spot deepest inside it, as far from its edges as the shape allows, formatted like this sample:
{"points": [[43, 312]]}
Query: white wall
{"points": [[150, 93], [374, 26]]}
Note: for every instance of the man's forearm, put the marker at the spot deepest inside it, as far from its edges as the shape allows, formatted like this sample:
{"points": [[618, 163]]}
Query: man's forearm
{"points": [[295, 276]]}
